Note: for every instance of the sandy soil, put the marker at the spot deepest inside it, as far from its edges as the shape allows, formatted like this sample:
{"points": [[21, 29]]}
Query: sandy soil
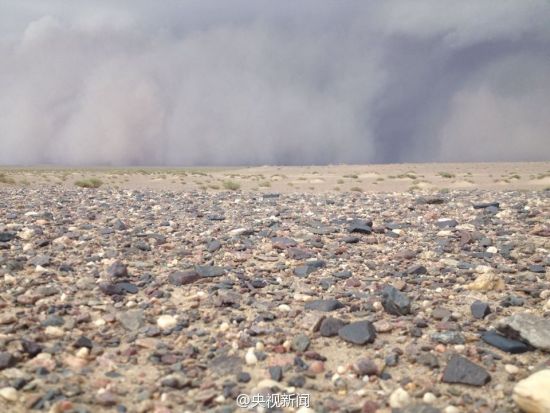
{"points": [[297, 179]]}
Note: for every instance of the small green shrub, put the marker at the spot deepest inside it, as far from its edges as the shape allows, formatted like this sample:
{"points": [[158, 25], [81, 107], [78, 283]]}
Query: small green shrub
{"points": [[231, 185], [89, 183], [447, 175]]}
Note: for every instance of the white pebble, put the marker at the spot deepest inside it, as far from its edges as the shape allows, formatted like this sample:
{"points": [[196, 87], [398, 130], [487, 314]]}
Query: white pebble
{"points": [[451, 409], [511, 369], [260, 346], [492, 250], [399, 399], [166, 322], [224, 326], [429, 398], [54, 331], [83, 352], [459, 348], [284, 307], [8, 393], [250, 357]]}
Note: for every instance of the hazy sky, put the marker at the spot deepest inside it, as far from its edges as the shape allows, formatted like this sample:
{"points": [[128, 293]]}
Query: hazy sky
{"points": [[178, 82]]}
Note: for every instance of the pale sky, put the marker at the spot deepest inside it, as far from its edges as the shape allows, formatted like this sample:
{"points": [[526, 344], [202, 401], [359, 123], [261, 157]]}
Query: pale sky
{"points": [[178, 82]]}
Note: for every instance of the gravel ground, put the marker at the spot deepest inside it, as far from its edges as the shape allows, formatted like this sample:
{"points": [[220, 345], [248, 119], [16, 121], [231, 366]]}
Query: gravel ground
{"points": [[159, 301]]}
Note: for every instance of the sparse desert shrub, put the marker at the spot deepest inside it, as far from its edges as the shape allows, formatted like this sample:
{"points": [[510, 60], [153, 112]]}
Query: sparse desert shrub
{"points": [[4, 179], [353, 176], [356, 189], [409, 175], [231, 185], [89, 183], [265, 184], [447, 175]]}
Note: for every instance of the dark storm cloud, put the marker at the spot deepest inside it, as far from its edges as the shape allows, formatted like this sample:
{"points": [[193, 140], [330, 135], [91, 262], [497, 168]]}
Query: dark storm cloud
{"points": [[254, 82]]}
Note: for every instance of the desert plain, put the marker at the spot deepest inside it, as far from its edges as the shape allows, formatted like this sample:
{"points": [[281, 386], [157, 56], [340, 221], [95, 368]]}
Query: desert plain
{"points": [[379, 288]]}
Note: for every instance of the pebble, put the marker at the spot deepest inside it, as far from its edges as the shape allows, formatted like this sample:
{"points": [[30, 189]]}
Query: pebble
{"points": [[330, 326], [395, 302], [503, 343], [9, 394], [511, 369], [358, 332], [531, 328], [480, 310], [166, 322], [324, 305], [463, 371], [250, 357], [487, 282], [399, 398], [532, 394]]}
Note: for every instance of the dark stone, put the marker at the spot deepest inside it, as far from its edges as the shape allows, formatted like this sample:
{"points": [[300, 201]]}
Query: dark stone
{"points": [[223, 364], [243, 377], [7, 236], [428, 359], [276, 373], [126, 287], [297, 381], [463, 371], [447, 223], [42, 260], [179, 278], [360, 227], [417, 270], [258, 283], [449, 337], [298, 254], [395, 302], [303, 271], [6, 360], [83, 341], [209, 271], [53, 320], [330, 327], [31, 348], [111, 289], [484, 205], [282, 243], [343, 274], [119, 225], [143, 246], [324, 305], [300, 343], [351, 239], [480, 309], [503, 343], [213, 245], [434, 200], [118, 270], [359, 332], [512, 301], [537, 268], [392, 359]]}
